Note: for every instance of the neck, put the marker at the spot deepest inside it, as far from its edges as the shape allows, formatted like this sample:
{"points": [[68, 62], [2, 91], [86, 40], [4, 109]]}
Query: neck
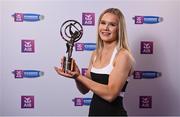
{"points": [[109, 45]]}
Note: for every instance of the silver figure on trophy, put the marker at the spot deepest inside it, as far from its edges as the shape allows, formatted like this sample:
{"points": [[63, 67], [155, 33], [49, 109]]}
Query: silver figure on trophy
{"points": [[71, 31]]}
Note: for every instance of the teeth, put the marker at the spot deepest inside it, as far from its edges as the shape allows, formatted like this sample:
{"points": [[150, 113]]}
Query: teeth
{"points": [[106, 33]]}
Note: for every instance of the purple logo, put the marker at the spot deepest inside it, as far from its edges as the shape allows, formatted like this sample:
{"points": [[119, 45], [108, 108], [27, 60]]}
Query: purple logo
{"points": [[79, 46], [85, 46], [82, 101], [27, 73], [28, 17], [146, 74], [27, 101], [18, 17], [137, 74], [147, 19], [146, 47], [88, 19], [78, 102], [139, 19], [18, 73], [83, 71], [27, 46], [145, 102]]}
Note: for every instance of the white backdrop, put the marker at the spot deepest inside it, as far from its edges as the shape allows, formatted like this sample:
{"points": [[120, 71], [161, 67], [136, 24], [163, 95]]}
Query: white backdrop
{"points": [[53, 94], [0, 64]]}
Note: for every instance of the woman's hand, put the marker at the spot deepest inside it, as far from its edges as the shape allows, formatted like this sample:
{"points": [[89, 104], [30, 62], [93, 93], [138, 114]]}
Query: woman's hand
{"points": [[74, 73]]}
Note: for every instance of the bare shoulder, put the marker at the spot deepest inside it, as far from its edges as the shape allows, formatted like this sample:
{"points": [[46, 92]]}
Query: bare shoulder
{"points": [[124, 59], [124, 56], [123, 53], [93, 55]]}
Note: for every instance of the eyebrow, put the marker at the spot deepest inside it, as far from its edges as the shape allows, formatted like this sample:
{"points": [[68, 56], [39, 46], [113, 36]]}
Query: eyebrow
{"points": [[109, 22]]}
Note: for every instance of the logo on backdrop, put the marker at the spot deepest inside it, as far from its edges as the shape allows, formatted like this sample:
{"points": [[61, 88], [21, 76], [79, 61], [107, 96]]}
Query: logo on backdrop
{"points": [[28, 17], [19, 74], [146, 47], [145, 102], [83, 71], [27, 46], [146, 74], [85, 46], [27, 101], [88, 19], [147, 19], [82, 101]]}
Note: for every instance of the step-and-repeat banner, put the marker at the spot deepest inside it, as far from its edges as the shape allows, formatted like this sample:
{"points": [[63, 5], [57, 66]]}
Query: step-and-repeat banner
{"points": [[0, 65], [33, 40]]}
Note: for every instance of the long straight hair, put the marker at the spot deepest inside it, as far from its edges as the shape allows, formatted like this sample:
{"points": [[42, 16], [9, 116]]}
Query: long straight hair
{"points": [[122, 39]]}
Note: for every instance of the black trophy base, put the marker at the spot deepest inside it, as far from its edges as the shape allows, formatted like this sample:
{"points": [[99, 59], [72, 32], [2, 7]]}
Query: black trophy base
{"points": [[67, 64]]}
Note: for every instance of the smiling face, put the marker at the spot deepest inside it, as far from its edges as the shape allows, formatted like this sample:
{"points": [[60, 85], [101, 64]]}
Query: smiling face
{"points": [[108, 27]]}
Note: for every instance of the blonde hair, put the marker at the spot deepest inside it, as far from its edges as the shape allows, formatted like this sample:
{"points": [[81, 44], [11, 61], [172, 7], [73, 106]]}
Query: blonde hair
{"points": [[122, 40]]}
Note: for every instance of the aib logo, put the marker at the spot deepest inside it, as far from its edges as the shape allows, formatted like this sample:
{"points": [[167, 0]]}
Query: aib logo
{"points": [[27, 46], [18, 73], [27, 101], [27, 73], [82, 101], [18, 17], [147, 19], [85, 46], [28, 17], [83, 71], [79, 46], [146, 74], [88, 19], [146, 47], [145, 102]]}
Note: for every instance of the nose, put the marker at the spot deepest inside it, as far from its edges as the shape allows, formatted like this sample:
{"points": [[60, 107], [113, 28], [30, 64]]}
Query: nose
{"points": [[107, 26]]}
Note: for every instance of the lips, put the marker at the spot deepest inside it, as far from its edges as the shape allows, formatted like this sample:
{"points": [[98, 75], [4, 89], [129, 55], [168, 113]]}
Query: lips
{"points": [[105, 33]]}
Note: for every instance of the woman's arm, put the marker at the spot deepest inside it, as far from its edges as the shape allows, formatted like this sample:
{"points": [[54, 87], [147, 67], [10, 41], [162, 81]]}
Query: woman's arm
{"points": [[76, 72], [117, 78], [81, 87]]}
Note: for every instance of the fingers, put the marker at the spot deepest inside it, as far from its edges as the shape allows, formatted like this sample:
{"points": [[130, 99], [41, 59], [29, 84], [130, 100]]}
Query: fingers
{"points": [[76, 68], [62, 61], [62, 73], [72, 73], [58, 70]]}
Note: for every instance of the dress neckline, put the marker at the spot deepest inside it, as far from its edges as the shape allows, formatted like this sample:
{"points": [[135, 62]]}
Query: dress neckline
{"points": [[111, 60]]}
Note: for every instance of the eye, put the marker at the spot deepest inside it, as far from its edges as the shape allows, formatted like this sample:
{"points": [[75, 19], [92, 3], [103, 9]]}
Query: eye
{"points": [[113, 24], [103, 22]]}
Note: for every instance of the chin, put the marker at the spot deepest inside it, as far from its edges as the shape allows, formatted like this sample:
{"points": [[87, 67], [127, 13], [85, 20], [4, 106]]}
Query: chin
{"points": [[106, 38]]}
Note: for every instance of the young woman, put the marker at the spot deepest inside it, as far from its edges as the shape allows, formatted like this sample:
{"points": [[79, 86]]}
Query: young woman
{"points": [[110, 66]]}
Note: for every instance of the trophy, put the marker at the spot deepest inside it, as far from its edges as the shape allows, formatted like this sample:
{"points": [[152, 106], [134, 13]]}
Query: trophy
{"points": [[71, 31]]}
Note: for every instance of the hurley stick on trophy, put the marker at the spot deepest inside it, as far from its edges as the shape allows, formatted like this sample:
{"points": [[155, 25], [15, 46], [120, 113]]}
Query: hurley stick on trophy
{"points": [[71, 31]]}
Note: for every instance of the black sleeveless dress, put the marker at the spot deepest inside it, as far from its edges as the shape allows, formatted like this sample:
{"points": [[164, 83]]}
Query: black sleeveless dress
{"points": [[101, 107]]}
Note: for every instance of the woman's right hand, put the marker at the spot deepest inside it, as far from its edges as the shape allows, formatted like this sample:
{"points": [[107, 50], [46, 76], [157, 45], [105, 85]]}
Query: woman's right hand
{"points": [[74, 73]]}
